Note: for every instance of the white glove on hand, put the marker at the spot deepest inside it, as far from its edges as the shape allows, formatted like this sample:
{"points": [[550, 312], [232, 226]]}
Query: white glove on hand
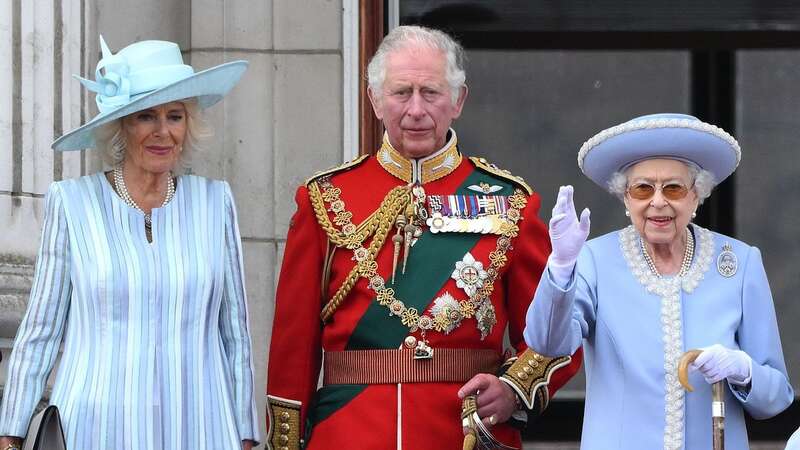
{"points": [[567, 236], [717, 363]]}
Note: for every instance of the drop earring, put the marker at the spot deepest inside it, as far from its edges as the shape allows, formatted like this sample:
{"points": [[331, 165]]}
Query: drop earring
{"points": [[627, 213], [694, 214]]}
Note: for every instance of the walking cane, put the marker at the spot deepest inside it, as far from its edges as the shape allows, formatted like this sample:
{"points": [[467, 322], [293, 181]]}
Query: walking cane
{"points": [[717, 399]]}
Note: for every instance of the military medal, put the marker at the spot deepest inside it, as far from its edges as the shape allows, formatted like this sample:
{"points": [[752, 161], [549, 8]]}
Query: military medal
{"points": [[727, 262], [469, 274], [486, 318], [485, 214], [435, 222], [404, 208], [446, 306]]}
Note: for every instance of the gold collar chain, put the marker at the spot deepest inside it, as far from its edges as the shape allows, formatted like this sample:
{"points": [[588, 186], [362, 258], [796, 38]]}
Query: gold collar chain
{"points": [[423, 170], [444, 320]]}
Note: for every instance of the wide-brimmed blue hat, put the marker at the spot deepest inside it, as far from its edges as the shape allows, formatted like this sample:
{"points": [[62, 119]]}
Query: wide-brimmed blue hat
{"points": [[666, 135], [143, 75]]}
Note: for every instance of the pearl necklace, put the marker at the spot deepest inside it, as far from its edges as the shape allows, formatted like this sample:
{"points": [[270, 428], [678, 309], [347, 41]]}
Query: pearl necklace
{"points": [[122, 190], [687, 256]]}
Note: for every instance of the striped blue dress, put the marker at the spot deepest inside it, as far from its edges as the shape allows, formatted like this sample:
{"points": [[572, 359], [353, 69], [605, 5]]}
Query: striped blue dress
{"points": [[156, 347]]}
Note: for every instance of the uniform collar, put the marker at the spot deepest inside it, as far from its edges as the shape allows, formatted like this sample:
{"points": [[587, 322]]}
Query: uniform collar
{"points": [[422, 170]]}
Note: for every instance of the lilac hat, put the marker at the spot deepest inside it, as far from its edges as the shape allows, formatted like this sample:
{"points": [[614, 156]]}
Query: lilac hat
{"points": [[666, 135], [143, 75]]}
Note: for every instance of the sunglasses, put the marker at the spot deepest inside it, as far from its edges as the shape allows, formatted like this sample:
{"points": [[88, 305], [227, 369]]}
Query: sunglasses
{"points": [[645, 191]]}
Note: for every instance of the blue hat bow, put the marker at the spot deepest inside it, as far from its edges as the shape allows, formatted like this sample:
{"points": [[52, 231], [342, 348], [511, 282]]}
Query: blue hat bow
{"points": [[143, 75], [120, 78], [113, 88]]}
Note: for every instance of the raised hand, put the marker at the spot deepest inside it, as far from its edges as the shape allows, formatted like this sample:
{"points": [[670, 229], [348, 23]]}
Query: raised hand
{"points": [[567, 235]]}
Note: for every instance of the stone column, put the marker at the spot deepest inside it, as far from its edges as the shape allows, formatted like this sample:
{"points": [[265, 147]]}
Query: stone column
{"points": [[43, 41], [281, 124]]}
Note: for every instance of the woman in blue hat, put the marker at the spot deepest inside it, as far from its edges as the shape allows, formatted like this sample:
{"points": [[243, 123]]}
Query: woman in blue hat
{"points": [[139, 276], [637, 298]]}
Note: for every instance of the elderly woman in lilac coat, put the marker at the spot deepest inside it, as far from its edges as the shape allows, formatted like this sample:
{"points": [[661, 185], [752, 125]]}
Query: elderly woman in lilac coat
{"points": [[637, 298]]}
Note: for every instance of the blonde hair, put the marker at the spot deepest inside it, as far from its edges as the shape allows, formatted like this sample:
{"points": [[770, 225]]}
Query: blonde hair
{"points": [[110, 138]]}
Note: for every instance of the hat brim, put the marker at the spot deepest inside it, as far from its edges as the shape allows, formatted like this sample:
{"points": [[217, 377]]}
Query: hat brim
{"points": [[709, 147], [208, 87]]}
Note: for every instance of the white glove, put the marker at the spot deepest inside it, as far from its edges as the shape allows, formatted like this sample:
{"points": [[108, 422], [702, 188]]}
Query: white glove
{"points": [[717, 363], [567, 236]]}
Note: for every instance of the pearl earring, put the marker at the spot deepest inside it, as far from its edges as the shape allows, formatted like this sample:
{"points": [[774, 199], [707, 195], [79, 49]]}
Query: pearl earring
{"points": [[627, 213], [694, 214]]}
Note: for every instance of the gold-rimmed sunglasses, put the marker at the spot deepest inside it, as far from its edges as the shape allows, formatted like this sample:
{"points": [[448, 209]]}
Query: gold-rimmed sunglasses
{"points": [[645, 191]]}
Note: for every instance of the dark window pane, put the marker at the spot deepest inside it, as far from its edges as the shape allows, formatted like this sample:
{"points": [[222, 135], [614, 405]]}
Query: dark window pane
{"points": [[531, 111], [767, 208]]}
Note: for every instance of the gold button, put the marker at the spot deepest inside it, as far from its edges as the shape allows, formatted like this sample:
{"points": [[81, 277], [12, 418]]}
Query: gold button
{"points": [[285, 428], [411, 341], [539, 357], [533, 363], [528, 370], [284, 416], [284, 448], [522, 375], [284, 439]]}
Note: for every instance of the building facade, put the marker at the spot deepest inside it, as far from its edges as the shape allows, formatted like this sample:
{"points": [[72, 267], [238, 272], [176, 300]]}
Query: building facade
{"points": [[280, 124]]}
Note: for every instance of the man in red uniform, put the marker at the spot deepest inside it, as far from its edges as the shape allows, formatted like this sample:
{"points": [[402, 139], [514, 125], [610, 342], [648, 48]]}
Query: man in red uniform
{"points": [[405, 270]]}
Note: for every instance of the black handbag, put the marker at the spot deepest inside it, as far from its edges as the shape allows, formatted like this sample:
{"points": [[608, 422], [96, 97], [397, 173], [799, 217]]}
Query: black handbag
{"points": [[45, 432]]}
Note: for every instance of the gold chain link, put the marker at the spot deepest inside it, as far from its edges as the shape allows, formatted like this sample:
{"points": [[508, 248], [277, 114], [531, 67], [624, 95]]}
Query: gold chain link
{"points": [[379, 223]]}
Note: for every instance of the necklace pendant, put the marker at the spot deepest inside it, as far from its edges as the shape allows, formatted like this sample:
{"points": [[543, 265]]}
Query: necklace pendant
{"points": [[122, 191], [423, 351]]}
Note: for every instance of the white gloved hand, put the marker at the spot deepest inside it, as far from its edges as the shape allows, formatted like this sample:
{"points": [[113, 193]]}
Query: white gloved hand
{"points": [[567, 235], [717, 363]]}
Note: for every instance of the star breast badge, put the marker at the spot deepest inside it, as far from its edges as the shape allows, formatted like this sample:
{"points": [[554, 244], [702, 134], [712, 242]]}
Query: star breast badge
{"points": [[469, 274]]}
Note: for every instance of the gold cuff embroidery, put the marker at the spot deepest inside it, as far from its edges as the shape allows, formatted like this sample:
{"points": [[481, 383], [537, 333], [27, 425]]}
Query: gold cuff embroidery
{"points": [[284, 424], [529, 375]]}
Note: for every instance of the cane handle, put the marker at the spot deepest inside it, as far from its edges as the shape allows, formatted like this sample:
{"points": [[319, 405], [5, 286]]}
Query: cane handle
{"points": [[683, 368]]}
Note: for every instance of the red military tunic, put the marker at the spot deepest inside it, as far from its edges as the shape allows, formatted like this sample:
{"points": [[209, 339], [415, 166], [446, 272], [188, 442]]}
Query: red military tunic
{"points": [[402, 415]]}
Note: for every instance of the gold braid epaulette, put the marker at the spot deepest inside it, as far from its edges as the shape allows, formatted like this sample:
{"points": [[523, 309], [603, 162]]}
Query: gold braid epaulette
{"points": [[484, 165], [377, 225], [331, 170], [348, 238]]}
